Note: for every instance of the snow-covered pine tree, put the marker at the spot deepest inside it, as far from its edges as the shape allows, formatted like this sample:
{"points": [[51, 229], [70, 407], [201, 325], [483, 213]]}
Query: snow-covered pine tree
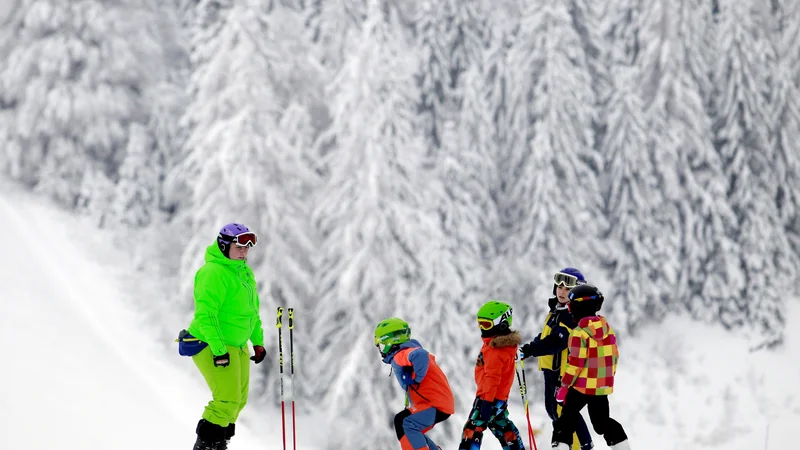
{"points": [[690, 172], [785, 117], [630, 194], [588, 18], [332, 24], [451, 38], [76, 77], [136, 199], [550, 199], [742, 138], [382, 245]]}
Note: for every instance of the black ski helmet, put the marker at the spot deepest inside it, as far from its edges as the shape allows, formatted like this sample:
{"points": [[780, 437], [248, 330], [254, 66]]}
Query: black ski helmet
{"points": [[584, 301]]}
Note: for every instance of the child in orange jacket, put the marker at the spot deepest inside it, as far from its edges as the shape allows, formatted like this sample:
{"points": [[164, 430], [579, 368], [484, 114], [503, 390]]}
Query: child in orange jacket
{"points": [[494, 376], [428, 395]]}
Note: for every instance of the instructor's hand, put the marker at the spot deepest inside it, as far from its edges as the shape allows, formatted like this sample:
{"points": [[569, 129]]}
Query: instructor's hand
{"points": [[260, 354], [222, 360]]}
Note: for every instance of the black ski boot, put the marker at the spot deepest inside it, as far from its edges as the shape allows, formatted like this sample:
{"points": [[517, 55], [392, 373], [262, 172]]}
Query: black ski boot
{"points": [[230, 430], [209, 436]]}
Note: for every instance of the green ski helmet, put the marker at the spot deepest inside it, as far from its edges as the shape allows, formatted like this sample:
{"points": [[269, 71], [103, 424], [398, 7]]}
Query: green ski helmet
{"points": [[494, 317], [391, 332]]}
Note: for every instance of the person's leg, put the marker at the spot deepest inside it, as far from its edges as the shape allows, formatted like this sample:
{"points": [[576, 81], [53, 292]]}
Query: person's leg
{"points": [[411, 425], [603, 424], [225, 385], [584, 437], [504, 429], [564, 426], [244, 379], [472, 434], [551, 385]]}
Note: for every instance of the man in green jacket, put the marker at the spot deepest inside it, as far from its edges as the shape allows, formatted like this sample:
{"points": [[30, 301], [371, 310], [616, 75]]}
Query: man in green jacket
{"points": [[226, 317]]}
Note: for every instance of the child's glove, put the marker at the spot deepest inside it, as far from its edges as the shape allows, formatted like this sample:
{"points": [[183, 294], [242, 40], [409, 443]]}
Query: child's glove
{"points": [[485, 410], [561, 394], [407, 377], [260, 354]]}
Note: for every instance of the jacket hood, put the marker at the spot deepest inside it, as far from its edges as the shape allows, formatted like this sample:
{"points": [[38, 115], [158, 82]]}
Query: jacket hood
{"points": [[596, 326], [509, 340], [214, 255]]}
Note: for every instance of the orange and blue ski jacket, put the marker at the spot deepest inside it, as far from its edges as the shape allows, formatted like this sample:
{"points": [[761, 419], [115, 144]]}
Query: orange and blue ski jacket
{"points": [[419, 375], [593, 357], [494, 369]]}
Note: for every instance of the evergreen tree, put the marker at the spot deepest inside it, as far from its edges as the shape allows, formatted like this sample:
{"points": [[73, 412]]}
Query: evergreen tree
{"points": [[630, 194], [785, 118], [383, 246], [137, 190], [77, 75], [551, 197], [451, 35], [742, 139]]}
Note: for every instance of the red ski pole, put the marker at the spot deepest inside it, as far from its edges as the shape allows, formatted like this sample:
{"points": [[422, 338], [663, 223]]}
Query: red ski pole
{"points": [[291, 371], [280, 363], [523, 390]]}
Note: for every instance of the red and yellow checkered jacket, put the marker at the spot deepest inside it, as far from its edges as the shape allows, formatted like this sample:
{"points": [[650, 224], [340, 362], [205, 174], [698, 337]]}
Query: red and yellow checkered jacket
{"points": [[593, 356]]}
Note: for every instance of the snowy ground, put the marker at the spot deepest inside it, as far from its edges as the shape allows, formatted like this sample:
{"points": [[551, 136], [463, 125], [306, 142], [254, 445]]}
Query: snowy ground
{"points": [[689, 386], [84, 371], [80, 369]]}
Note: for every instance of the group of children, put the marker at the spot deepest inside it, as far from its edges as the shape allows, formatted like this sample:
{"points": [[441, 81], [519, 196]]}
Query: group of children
{"points": [[577, 354]]}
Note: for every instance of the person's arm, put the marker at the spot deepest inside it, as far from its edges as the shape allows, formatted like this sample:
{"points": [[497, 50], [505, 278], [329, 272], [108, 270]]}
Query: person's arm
{"points": [[209, 292], [415, 358], [492, 374], [257, 336], [552, 344], [576, 360]]}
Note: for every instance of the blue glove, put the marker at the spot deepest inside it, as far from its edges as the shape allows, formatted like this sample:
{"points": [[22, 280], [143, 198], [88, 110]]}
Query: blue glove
{"points": [[406, 378], [485, 410]]}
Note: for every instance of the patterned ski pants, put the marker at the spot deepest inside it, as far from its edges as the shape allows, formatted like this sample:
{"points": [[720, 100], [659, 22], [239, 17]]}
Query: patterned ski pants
{"points": [[499, 424]]}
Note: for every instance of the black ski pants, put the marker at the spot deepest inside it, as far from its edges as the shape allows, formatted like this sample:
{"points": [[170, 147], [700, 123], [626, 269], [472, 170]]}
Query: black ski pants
{"points": [[603, 425]]}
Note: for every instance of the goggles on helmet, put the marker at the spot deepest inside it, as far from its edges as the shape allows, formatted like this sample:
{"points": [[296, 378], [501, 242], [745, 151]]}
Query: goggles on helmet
{"points": [[246, 239], [565, 279]]}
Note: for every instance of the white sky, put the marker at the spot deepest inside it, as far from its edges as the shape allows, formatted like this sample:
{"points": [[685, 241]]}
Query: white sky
{"points": [[82, 371]]}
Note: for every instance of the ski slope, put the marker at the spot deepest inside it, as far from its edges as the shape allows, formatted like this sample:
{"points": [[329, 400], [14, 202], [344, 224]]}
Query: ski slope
{"points": [[83, 370], [80, 369]]}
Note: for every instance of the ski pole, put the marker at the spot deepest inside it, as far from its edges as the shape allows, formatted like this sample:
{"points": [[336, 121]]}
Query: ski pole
{"points": [[291, 371], [523, 391], [280, 363]]}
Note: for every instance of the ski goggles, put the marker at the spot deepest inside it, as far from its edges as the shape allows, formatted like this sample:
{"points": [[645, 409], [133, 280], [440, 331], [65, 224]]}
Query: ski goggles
{"points": [[569, 281], [485, 324], [247, 239]]}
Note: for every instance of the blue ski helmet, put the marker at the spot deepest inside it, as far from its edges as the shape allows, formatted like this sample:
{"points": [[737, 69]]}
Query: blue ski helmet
{"points": [[568, 271], [226, 235]]}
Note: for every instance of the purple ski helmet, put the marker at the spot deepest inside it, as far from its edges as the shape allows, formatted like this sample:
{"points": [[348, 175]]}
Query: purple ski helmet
{"points": [[226, 235]]}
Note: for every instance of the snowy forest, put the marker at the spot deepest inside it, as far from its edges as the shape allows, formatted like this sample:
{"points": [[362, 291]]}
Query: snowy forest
{"points": [[416, 158]]}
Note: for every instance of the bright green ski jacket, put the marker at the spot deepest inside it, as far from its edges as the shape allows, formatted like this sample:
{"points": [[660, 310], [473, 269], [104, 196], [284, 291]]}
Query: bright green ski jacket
{"points": [[226, 303]]}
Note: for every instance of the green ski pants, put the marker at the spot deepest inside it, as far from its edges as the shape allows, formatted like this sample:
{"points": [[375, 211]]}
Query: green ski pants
{"points": [[229, 385]]}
